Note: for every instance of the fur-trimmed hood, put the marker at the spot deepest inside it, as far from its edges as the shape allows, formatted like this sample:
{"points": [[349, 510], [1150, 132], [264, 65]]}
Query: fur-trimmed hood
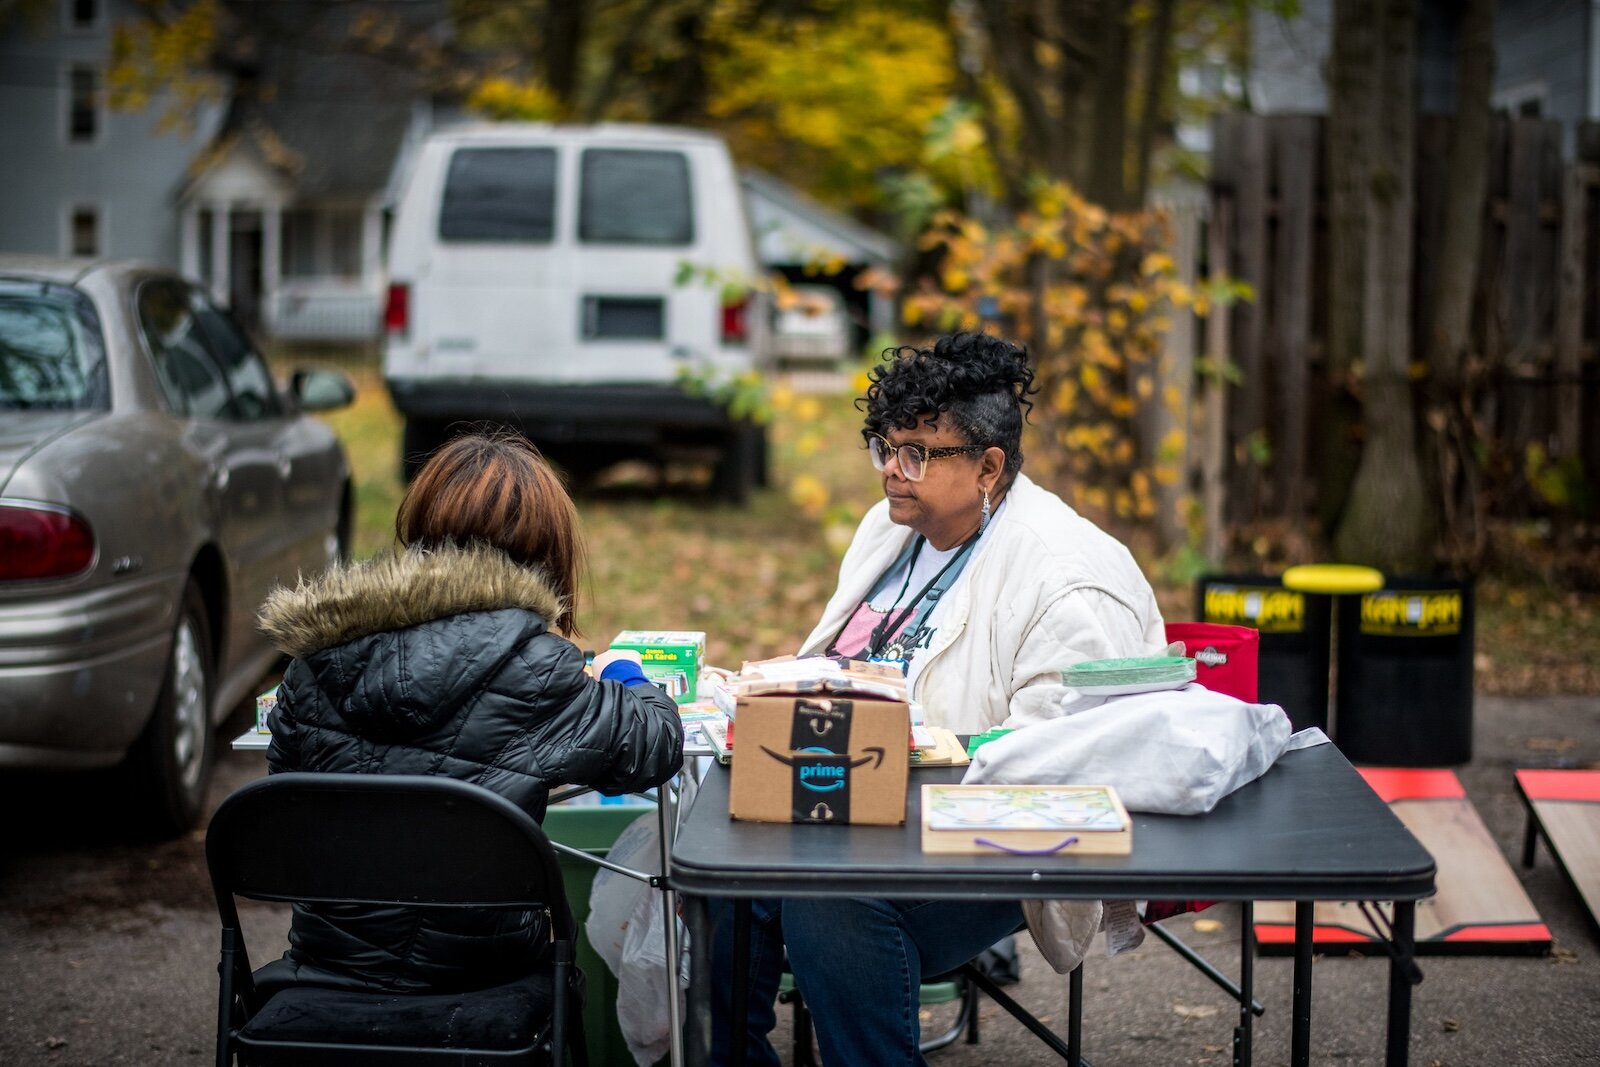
{"points": [[399, 590]]}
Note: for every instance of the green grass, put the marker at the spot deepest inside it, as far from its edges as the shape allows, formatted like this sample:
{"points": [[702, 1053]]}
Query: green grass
{"points": [[664, 555]]}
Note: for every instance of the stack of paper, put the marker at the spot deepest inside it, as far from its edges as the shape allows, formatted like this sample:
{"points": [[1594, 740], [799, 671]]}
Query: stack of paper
{"points": [[816, 674], [1142, 674]]}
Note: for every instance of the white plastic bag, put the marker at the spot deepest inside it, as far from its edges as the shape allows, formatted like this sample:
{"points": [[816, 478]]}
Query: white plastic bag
{"points": [[626, 927], [1176, 752], [613, 898]]}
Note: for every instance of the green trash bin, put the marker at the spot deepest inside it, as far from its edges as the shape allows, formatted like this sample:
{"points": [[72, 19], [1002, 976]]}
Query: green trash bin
{"points": [[594, 828]]}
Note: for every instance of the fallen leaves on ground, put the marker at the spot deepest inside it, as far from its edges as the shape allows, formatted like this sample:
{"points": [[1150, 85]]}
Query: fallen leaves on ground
{"points": [[1195, 1011]]}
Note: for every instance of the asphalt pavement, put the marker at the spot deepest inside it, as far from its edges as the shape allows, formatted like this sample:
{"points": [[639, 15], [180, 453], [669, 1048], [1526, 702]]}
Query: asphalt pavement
{"points": [[108, 946]]}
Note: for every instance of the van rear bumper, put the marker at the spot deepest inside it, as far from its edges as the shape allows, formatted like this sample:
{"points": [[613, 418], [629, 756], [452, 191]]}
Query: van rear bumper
{"points": [[613, 413]]}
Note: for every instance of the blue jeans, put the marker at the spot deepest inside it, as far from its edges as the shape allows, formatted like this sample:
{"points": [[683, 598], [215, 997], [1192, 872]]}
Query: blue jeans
{"points": [[859, 965]]}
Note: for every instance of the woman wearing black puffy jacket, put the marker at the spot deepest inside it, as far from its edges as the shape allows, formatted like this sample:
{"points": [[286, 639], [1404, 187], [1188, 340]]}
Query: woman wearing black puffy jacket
{"points": [[449, 657]]}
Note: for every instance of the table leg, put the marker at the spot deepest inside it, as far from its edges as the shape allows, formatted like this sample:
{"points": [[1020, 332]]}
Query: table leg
{"points": [[1401, 978], [1075, 1016], [1300, 1032], [697, 1010], [740, 1009], [1244, 1033], [669, 903]]}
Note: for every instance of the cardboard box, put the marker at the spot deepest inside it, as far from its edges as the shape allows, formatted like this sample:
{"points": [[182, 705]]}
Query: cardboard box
{"points": [[670, 658], [808, 758]]}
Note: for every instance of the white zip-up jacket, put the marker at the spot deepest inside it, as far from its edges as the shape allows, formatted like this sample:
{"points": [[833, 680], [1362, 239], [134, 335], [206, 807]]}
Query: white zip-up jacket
{"points": [[1045, 588]]}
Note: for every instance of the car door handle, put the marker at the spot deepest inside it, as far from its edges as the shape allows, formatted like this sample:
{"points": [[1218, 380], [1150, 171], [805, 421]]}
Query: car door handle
{"points": [[285, 467]]}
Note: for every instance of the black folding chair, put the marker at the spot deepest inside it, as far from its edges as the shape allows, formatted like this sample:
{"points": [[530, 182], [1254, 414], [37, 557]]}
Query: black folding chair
{"points": [[415, 841]]}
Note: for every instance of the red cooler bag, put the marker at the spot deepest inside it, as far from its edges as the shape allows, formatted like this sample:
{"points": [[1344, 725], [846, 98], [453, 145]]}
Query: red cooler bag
{"points": [[1224, 656], [1224, 662]]}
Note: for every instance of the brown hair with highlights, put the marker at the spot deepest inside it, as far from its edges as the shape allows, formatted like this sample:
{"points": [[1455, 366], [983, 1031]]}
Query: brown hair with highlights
{"points": [[497, 490]]}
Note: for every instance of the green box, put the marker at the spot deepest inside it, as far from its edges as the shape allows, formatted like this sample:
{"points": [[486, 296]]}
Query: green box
{"points": [[593, 830], [670, 658]]}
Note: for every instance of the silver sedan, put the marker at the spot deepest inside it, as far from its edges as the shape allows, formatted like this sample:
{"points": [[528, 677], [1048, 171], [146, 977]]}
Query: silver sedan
{"points": [[154, 484]]}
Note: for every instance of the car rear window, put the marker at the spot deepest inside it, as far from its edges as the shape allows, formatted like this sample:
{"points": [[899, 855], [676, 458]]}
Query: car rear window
{"points": [[499, 194], [634, 197], [52, 354]]}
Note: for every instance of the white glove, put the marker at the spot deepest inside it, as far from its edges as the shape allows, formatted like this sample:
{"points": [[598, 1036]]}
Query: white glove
{"points": [[611, 655]]}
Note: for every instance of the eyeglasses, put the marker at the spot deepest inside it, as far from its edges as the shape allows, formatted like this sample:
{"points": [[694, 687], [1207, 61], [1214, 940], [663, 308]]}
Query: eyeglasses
{"points": [[913, 458]]}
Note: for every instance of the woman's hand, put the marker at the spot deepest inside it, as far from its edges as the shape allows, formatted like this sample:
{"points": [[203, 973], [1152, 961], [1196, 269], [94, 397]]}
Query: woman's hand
{"points": [[612, 655]]}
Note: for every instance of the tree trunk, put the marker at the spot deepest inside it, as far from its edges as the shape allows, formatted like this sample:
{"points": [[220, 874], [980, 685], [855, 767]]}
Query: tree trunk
{"points": [[561, 46], [1013, 31], [1450, 399], [1157, 44], [1350, 68], [1390, 521], [1107, 182]]}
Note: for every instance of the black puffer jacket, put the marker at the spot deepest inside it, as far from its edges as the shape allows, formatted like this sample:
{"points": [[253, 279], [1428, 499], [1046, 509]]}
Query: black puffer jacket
{"points": [[441, 663]]}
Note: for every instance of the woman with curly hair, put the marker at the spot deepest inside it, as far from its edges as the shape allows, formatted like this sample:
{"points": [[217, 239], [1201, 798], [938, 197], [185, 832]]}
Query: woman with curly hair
{"points": [[983, 585]]}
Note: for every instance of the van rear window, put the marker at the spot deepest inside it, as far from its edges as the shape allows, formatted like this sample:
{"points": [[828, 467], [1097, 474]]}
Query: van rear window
{"points": [[635, 197], [499, 194]]}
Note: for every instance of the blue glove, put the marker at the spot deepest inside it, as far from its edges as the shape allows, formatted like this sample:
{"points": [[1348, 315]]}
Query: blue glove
{"points": [[625, 671]]}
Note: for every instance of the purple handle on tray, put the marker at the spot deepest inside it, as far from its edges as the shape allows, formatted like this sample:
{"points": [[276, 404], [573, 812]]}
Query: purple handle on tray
{"points": [[1070, 840]]}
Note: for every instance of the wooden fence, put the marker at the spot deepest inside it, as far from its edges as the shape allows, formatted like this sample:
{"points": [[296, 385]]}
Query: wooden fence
{"points": [[1536, 320]]}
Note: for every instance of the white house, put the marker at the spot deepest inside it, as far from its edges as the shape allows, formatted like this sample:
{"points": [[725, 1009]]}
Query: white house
{"points": [[276, 198], [80, 178]]}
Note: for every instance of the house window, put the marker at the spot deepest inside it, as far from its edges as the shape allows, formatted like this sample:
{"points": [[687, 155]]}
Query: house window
{"points": [[299, 244], [344, 242], [83, 236], [83, 14], [1525, 100], [83, 105]]}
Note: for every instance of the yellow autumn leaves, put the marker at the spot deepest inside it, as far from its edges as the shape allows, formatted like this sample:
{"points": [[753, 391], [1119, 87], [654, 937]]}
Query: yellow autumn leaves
{"points": [[1092, 294]]}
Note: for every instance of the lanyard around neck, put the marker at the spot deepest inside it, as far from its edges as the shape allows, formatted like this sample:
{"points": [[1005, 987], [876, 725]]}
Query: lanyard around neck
{"points": [[891, 623]]}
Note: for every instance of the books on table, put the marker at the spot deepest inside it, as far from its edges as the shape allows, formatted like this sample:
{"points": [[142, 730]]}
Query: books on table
{"points": [[1030, 820]]}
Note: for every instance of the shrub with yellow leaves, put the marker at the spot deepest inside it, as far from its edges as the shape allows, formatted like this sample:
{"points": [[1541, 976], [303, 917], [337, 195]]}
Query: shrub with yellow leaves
{"points": [[1091, 294]]}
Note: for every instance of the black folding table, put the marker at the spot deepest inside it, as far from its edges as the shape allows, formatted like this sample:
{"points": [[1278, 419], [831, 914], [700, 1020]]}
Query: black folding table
{"points": [[1309, 829]]}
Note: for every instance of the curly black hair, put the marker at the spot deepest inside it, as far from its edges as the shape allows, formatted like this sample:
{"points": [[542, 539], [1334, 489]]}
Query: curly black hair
{"points": [[981, 381]]}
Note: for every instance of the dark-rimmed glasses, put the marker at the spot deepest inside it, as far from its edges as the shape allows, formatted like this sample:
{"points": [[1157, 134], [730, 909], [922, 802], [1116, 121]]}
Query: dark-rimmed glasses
{"points": [[913, 457]]}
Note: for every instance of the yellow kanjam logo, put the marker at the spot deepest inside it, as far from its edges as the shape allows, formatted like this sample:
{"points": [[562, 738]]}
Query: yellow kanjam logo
{"points": [[1411, 613], [1268, 609]]}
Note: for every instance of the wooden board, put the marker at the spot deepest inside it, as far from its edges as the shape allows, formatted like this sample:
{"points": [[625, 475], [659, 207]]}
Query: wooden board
{"points": [[1480, 906], [1565, 805]]}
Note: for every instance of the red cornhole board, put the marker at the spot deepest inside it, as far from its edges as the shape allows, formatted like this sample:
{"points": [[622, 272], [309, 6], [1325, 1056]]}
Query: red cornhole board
{"points": [[1564, 806], [1480, 907]]}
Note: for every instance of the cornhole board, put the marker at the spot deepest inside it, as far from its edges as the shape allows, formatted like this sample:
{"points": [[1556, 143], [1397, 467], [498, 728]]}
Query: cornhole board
{"points": [[1480, 907], [1564, 809]]}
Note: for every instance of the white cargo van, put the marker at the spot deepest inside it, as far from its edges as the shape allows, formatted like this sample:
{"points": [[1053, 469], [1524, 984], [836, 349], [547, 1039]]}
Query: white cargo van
{"points": [[534, 282]]}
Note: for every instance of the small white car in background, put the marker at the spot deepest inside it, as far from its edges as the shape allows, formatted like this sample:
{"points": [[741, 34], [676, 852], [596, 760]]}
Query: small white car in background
{"points": [[154, 484], [562, 280], [811, 326]]}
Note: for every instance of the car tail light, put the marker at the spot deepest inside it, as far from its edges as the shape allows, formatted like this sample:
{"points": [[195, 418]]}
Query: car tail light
{"points": [[735, 322], [397, 310], [42, 542]]}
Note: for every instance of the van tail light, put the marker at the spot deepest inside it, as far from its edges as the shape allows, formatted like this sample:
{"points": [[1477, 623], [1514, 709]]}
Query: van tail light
{"points": [[42, 542], [736, 321], [397, 311]]}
